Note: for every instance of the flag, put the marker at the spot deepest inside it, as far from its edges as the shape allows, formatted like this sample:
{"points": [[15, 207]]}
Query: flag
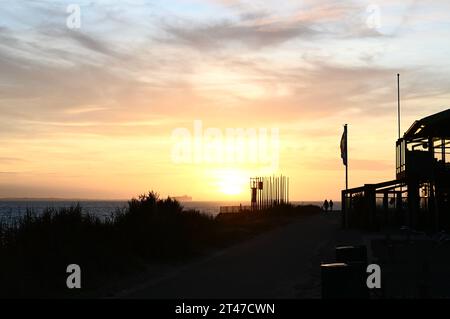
{"points": [[344, 146]]}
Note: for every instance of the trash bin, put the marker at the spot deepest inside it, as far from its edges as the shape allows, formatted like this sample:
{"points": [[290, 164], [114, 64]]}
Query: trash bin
{"points": [[358, 280], [344, 281]]}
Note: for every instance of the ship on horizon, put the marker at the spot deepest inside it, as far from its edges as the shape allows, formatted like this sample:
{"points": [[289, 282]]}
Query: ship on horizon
{"points": [[184, 198]]}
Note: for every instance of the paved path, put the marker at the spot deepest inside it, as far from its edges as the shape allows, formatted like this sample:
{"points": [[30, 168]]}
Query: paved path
{"points": [[282, 263]]}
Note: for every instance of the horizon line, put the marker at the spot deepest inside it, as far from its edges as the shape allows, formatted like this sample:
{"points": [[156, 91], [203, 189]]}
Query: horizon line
{"points": [[127, 199]]}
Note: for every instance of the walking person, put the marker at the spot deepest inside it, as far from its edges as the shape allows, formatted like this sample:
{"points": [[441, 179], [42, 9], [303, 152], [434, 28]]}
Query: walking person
{"points": [[325, 205], [331, 205]]}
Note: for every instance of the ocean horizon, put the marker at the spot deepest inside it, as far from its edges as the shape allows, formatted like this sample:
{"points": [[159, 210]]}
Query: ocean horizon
{"points": [[11, 209]]}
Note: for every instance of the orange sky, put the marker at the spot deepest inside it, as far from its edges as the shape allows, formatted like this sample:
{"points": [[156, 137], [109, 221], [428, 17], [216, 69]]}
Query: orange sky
{"points": [[91, 112]]}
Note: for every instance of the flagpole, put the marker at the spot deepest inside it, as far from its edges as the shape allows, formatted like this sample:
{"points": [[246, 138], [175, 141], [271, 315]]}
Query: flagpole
{"points": [[346, 151], [398, 103], [344, 156]]}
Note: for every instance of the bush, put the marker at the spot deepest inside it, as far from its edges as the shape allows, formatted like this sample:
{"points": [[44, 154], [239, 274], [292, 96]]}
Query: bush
{"points": [[35, 250]]}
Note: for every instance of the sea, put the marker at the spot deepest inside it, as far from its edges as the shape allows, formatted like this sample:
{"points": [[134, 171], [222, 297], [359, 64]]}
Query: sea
{"points": [[11, 210]]}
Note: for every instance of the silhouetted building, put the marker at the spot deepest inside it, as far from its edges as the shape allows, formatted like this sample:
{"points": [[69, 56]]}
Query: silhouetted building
{"points": [[419, 196]]}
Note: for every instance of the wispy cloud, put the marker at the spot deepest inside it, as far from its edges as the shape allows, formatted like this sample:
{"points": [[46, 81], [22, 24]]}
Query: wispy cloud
{"points": [[217, 35]]}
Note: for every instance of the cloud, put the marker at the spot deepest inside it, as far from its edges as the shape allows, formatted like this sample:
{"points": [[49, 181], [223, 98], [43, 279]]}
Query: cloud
{"points": [[87, 42], [259, 26], [9, 160], [216, 35]]}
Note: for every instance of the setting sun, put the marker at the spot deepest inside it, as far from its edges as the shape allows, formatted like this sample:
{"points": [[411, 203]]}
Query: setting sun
{"points": [[231, 182]]}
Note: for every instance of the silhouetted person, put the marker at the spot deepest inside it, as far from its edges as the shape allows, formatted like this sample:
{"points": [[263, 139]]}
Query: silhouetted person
{"points": [[325, 205], [331, 205]]}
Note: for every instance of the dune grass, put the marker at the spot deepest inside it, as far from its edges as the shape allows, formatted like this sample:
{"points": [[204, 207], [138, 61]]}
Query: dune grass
{"points": [[35, 251]]}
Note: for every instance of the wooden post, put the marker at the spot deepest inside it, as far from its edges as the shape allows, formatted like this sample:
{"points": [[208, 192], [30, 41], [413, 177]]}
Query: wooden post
{"points": [[344, 209], [386, 208]]}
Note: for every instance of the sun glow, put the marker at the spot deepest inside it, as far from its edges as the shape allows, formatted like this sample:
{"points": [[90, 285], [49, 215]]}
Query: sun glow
{"points": [[231, 182]]}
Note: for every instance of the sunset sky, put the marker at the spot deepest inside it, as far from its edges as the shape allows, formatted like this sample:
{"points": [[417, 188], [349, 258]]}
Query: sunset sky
{"points": [[90, 112]]}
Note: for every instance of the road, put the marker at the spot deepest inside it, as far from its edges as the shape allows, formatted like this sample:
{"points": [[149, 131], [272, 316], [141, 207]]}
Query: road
{"points": [[282, 263]]}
